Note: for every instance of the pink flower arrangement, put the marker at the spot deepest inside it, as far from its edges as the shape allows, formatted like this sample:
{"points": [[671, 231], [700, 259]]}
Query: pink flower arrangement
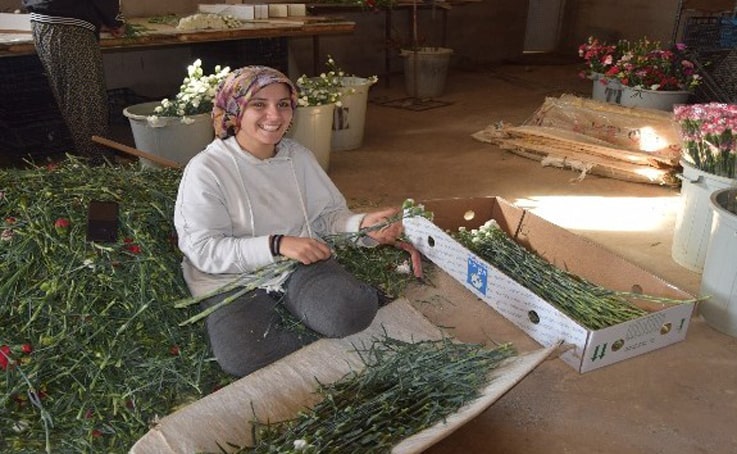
{"points": [[709, 135], [642, 64], [599, 57]]}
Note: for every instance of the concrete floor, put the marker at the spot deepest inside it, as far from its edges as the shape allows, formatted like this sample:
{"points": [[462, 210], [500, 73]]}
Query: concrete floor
{"points": [[680, 399]]}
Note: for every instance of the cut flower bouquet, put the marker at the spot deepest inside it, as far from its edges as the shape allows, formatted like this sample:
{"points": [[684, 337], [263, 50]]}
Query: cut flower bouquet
{"points": [[709, 136], [195, 94], [327, 88], [641, 64]]}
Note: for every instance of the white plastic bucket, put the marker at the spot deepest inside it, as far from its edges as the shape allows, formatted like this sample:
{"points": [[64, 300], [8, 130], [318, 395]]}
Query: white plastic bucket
{"points": [[605, 90], [719, 280], [428, 67], [168, 137], [312, 126], [693, 220], [652, 99], [349, 120]]}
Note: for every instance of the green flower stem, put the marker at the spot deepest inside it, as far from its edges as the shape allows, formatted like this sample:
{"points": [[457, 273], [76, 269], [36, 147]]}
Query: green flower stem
{"points": [[593, 306]]}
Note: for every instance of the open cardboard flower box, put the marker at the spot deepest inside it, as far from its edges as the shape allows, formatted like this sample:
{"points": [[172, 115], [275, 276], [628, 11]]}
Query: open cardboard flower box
{"points": [[589, 349]]}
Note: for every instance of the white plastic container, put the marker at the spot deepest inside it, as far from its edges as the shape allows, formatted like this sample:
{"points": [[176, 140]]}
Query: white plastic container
{"points": [[606, 90], [168, 137], [650, 99], [312, 127], [719, 280], [693, 220], [425, 71], [349, 120]]}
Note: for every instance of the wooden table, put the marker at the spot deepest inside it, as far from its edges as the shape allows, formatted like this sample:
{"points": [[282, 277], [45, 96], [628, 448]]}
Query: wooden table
{"points": [[14, 43]]}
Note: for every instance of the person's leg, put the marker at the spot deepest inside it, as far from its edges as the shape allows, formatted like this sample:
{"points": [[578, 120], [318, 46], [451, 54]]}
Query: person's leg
{"points": [[247, 334], [72, 60], [330, 300]]}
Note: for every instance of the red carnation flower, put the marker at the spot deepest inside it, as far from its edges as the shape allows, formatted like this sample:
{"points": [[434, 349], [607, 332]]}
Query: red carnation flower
{"points": [[61, 225], [4, 357], [133, 248]]}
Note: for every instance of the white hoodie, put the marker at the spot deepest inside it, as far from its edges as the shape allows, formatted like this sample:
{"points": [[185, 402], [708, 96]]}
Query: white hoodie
{"points": [[229, 202]]}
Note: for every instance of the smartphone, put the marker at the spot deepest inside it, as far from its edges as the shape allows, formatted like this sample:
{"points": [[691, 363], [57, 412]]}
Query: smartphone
{"points": [[102, 221]]}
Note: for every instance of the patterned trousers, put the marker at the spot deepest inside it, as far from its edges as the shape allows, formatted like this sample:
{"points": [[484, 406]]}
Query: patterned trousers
{"points": [[72, 60]]}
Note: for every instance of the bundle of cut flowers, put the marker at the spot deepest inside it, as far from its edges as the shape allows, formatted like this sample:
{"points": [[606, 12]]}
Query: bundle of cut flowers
{"points": [[204, 21], [404, 389], [599, 57], [709, 136], [641, 64], [195, 94], [92, 349], [327, 88], [593, 306], [92, 352]]}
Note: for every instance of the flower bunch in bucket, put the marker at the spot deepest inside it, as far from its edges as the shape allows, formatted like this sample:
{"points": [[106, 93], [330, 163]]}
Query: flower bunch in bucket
{"points": [[642, 64], [320, 90], [195, 94], [709, 136], [329, 87], [598, 56]]}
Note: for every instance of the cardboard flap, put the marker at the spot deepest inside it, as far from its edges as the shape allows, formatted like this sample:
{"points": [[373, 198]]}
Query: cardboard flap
{"points": [[280, 390]]}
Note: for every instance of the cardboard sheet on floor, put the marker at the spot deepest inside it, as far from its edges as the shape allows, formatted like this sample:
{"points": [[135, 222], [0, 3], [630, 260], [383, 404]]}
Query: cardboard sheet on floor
{"points": [[280, 390], [626, 143]]}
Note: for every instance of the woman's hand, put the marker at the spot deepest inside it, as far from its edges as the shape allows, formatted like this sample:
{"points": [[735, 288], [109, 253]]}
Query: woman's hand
{"points": [[387, 234], [117, 32], [304, 250]]}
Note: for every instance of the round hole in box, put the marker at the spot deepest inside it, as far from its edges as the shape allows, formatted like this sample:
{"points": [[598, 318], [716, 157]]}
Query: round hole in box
{"points": [[637, 288], [534, 318], [431, 241], [469, 215], [665, 329], [617, 345]]}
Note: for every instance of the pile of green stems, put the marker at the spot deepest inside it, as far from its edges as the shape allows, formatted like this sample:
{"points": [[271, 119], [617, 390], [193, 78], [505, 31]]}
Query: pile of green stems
{"points": [[593, 306], [404, 389], [377, 266]]}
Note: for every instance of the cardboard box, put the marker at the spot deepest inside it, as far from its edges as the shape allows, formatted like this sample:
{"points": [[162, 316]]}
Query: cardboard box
{"points": [[12, 22], [296, 10], [589, 349], [278, 10]]}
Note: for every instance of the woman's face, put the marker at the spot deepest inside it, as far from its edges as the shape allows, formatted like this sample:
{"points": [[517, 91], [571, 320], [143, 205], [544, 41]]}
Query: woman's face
{"points": [[265, 118]]}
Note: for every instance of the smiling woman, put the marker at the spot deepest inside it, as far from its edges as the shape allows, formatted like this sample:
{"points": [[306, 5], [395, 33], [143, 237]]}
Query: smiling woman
{"points": [[253, 200]]}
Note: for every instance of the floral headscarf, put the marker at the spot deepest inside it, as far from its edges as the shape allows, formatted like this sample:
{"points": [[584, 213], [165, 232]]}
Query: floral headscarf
{"points": [[237, 89]]}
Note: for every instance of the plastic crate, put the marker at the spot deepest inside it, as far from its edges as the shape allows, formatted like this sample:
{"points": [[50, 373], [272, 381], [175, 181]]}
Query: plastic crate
{"points": [[728, 32], [718, 67], [35, 141], [119, 99], [702, 32]]}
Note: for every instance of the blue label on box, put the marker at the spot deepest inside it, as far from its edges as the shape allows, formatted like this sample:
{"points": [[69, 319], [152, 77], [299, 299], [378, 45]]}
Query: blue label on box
{"points": [[478, 275]]}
